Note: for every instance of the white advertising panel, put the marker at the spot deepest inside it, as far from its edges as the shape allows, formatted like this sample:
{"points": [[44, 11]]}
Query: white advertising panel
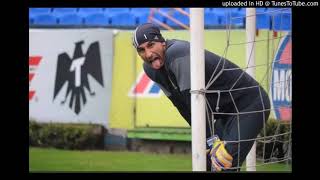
{"points": [[70, 75]]}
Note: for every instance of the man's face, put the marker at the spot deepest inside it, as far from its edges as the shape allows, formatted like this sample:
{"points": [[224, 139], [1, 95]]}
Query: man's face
{"points": [[152, 52]]}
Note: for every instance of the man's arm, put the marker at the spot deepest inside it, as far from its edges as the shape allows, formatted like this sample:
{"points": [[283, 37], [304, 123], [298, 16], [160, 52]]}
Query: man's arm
{"points": [[179, 69]]}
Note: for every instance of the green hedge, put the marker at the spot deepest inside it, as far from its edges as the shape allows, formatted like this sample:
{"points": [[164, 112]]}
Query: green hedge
{"points": [[66, 136], [274, 147]]}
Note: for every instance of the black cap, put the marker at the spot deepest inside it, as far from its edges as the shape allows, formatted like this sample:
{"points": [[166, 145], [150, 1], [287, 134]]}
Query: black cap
{"points": [[146, 32]]}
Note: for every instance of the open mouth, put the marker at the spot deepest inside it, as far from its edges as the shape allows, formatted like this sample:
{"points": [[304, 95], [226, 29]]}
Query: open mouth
{"points": [[156, 58], [156, 63]]}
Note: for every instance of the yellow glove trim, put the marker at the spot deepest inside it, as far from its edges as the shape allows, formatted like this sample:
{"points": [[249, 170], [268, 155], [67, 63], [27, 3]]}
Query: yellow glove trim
{"points": [[221, 154]]}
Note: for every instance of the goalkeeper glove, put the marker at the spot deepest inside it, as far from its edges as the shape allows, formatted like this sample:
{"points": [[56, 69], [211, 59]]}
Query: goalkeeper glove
{"points": [[220, 158]]}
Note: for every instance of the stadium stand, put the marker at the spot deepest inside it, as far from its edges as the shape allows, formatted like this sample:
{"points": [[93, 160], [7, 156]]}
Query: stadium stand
{"points": [[123, 20], [84, 12], [59, 12], [211, 20], [114, 11], [97, 19], [130, 17], [263, 21], [38, 11], [45, 20], [138, 11], [143, 18], [71, 19], [232, 17], [180, 17], [282, 21]]}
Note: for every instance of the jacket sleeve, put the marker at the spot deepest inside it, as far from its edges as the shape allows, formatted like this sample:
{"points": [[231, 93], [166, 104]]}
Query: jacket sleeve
{"points": [[179, 69]]}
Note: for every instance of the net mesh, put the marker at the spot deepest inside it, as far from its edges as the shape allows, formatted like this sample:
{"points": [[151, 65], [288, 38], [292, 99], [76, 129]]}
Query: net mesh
{"points": [[272, 71]]}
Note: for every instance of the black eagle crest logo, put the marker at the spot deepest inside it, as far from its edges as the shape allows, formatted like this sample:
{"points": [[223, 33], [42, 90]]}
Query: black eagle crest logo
{"points": [[75, 71]]}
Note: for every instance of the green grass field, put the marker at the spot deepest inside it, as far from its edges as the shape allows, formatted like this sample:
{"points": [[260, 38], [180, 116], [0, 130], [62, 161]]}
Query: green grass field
{"points": [[48, 159]]}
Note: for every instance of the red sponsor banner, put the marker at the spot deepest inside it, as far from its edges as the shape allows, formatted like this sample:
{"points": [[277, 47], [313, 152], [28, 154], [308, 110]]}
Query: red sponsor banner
{"points": [[281, 86], [34, 62]]}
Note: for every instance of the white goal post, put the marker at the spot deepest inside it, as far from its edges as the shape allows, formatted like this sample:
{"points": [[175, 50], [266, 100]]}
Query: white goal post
{"points": [[280, 19], [198, 116], [250, 59]]}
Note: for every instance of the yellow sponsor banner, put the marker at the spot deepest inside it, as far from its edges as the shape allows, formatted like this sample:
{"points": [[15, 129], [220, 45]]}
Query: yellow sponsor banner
{"points": [[122, 107], [137, 102]]}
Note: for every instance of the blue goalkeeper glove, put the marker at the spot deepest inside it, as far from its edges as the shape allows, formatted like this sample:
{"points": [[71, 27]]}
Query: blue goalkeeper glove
{"points": [[220, 158]]}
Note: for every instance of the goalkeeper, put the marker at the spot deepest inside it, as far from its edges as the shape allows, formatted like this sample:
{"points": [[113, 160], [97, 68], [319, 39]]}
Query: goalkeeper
{"points": [[245, 103]]}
